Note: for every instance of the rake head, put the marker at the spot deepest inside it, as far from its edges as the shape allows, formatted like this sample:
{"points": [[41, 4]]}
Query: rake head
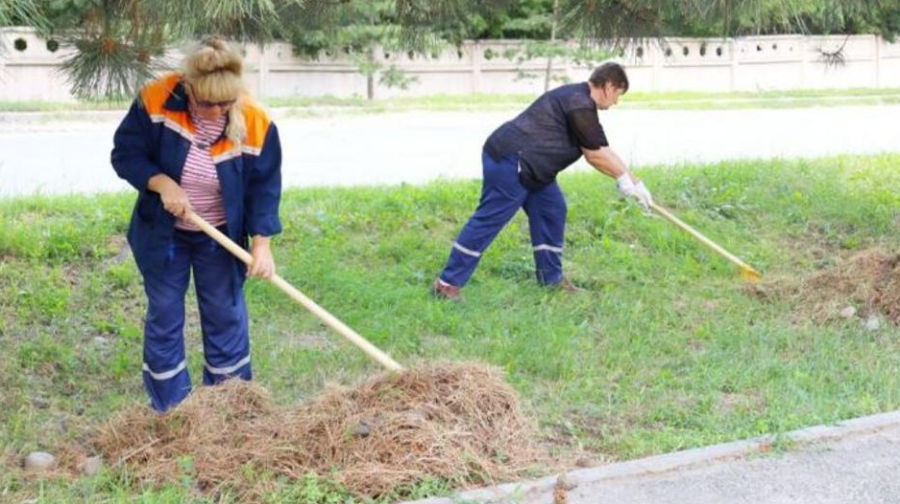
{"points": [[751, 275]]}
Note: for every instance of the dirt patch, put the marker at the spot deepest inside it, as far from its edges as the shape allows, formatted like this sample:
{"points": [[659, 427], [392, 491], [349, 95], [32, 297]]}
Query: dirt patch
{"points": [[310, 341], [868, 281], [729, 402], [117, 249], [457, 422]]}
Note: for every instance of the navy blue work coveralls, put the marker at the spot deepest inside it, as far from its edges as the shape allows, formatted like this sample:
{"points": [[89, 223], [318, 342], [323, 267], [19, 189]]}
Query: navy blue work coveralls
{"points": [[154, 138], [520, 162]]}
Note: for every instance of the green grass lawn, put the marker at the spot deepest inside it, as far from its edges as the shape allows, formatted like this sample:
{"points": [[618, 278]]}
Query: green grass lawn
{"points": [[667, 350], [329, 105], [634, 100]]}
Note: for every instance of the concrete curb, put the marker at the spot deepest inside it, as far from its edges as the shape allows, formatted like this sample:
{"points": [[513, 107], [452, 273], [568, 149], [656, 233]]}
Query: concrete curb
{"points": [[670, 461]]}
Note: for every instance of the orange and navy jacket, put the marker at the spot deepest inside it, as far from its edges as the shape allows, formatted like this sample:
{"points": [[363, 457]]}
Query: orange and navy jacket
{"points": [[155, 137]]}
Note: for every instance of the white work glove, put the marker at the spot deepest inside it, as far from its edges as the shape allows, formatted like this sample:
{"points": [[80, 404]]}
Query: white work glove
{"points": [[639, 191], [643, 196]]}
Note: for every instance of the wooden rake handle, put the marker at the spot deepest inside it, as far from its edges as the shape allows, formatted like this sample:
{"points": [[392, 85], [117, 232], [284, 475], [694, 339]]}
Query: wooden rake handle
{"points": [[747, 271], [329, 319]]}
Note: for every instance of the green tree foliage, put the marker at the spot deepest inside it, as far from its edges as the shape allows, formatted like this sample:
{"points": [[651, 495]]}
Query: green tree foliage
{"points": [[358, 31], [881, 17], [819, 17], [446, 19], [121, 42], [118, 43], [552, 49], [524, 19], [20, 12], [620, 19]]}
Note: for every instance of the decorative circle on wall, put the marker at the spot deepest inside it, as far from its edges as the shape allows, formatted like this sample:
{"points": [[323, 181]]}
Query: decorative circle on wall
{"points": [[20, 44], [52, 45]]}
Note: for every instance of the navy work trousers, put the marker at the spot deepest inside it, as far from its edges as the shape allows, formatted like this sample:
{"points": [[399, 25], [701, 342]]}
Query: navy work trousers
{"points": [[502, 195], [223, 320]]}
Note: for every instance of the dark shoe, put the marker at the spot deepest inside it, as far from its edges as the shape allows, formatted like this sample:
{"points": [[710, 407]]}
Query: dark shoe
{"points": [[566, 285], [443, 290]]}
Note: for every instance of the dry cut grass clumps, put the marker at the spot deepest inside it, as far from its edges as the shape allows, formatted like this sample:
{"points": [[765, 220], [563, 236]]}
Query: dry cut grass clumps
{"points": [[457, 422], [220, 429], [868, 280]]}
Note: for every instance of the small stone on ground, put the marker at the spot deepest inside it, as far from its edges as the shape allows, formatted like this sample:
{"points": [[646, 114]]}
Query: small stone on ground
{"points": [[39, 462]]}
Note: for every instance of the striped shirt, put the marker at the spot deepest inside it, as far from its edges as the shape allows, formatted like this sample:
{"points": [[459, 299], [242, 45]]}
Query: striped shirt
{"points": [[199, 178]]}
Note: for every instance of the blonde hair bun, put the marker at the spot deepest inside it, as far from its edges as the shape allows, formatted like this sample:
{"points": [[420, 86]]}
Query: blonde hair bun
{"points": [[213, 70], [212, 55]]}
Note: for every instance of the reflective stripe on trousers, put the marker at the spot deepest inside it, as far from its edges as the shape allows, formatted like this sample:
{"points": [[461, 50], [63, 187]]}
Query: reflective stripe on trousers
{"points": [[502, 195]]}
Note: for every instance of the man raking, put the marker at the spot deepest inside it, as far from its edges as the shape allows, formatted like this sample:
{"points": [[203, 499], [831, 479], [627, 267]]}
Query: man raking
{"points": [[521, 160]]}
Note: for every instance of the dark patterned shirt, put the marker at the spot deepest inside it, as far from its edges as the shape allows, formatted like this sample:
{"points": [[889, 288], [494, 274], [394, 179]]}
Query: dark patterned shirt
{"points": [[549, 135]]}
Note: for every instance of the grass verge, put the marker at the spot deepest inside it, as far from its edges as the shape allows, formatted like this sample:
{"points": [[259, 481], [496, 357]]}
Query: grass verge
{"points": [[667, 350], [329, 105]]}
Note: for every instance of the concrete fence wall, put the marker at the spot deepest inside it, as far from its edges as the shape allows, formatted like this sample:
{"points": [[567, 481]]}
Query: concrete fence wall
{"points": [[745, 64]]}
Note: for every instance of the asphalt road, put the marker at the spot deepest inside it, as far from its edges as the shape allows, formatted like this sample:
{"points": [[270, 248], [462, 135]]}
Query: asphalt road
{"points": [[53, 156]]}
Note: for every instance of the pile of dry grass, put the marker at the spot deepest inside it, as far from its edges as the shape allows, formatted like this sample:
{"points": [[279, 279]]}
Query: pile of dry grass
{"points": [[220, 428], [869, 280], [458, 422]]}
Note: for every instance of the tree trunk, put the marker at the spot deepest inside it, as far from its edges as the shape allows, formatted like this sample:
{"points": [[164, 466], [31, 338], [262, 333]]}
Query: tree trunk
{"points": [[370, 76], [549, 70], [370, 55]]}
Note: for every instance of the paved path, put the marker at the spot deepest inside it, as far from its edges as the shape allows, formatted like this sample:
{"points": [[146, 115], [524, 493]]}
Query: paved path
{"points": [[417, 147], [856, 463], [858, 470]]}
